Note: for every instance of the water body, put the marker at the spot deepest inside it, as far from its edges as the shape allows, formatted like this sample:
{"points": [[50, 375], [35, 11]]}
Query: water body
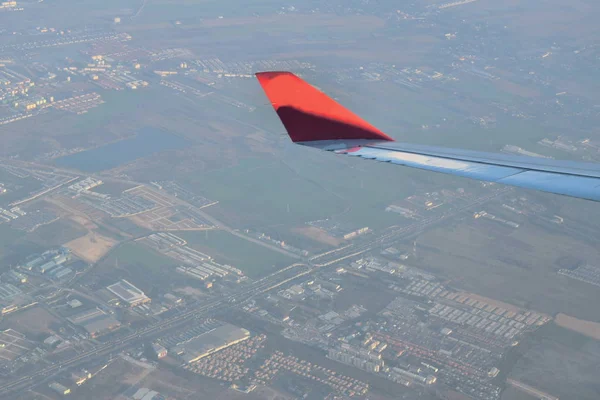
{"points": [[148, 141]]}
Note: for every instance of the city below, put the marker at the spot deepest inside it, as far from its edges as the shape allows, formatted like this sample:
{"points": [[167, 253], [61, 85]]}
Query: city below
{"points": [[161, 238]]}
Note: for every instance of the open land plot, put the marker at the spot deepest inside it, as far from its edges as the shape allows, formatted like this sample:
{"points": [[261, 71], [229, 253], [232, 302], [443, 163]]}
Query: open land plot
{"points": [[91, 219], [264, 190], [91, 247], [8, 237], [298, 240], [319, 235], [254, 260], [359, 291], [57, 233], [77, 211], [111, 382], [34, 322], [587, 328], [557, 352], [144, 267], [519, 269], [182, 384], [136, 254], [512, 393], [17, 188], [307, 186]]}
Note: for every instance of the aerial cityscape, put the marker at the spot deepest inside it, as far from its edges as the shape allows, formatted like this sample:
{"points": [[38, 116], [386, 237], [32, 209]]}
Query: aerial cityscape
{"points": [[162, 238]]}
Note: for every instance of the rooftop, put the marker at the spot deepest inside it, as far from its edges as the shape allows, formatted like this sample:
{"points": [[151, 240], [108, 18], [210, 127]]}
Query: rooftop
{"points": [[127, 292], [94, 321], [211, 342]]}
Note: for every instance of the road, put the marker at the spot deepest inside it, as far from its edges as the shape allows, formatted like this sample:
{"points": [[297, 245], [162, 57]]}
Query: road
{"points": [[270, 282], [175, 200], [263, 285], [394, 235], [530, 390]]}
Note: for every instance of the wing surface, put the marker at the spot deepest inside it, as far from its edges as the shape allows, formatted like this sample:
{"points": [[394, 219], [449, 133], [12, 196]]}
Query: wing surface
{"points": [[313, 119]]}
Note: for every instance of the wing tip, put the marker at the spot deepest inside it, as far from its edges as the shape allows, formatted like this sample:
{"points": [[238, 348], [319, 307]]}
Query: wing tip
{"points": [[266, 76], [310, 115]]}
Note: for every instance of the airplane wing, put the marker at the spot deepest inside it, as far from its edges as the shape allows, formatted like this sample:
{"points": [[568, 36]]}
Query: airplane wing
{"points": [[313, 119]]}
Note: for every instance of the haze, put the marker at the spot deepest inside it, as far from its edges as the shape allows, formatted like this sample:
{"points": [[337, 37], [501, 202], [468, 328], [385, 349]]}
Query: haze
{"points": [[162, 238]]}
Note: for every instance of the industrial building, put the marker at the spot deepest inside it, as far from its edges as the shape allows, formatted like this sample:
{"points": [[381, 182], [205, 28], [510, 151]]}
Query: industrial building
{"points": [[49, 260], [364, 359], [60, 389], [75, 303], [85, 185], [374, 264], [353, 358], [415, 377], [143, 394], [80, 377], [128, 293], [210, 342], [159, 351], [16, 277], [8, 291], [52, 341], [95, 321]]}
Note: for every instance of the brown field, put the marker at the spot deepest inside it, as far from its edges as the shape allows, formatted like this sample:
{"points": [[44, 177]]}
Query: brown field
{"points": [[34, 320], [587, 328], [109, 382], [86, 223], [319, 235], [91, 247]]}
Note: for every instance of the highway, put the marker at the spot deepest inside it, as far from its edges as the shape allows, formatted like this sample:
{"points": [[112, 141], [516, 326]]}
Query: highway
{"points": [[538, 394], [263, 285], [270, 282]]}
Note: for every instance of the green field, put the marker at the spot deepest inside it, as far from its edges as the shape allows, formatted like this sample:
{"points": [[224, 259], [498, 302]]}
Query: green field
{"points": [[263, 189], [8, 237], [253, 259], [17, 188], [57, 233], [135, 254], [318, 186]]}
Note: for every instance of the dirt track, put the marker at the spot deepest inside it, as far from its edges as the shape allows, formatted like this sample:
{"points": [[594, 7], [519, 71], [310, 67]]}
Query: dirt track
{"points": [[588, 328]]}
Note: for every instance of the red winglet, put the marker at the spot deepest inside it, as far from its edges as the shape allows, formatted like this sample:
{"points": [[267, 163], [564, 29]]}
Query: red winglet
{"points": [[309, 114]]}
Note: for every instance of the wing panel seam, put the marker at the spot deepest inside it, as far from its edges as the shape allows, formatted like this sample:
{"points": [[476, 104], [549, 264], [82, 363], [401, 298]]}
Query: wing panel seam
{"points": [[495, 164]]}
